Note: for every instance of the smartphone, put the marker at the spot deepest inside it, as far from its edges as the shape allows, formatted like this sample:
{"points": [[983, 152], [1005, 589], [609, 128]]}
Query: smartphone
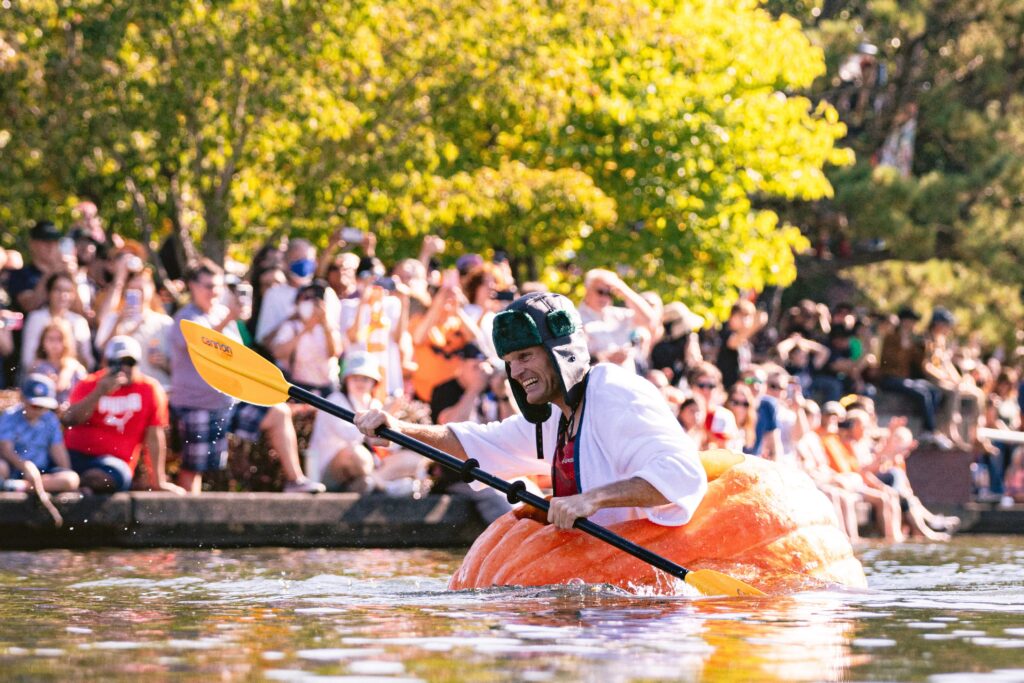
{"points": [[352, 235], [243, 292], [10, 320], [67, 247], [133, 302]]}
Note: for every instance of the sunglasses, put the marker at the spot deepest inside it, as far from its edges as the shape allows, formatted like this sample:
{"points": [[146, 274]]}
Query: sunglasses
{"points": [[739, 403], [776, 387], [602, 292], [705, 385]]}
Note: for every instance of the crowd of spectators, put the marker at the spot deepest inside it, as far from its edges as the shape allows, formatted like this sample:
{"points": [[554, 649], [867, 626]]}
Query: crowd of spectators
{"points": [[89, 335]]}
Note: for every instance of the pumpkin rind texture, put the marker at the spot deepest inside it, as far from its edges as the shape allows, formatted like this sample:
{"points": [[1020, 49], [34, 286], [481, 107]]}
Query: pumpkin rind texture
{"points": [[762, 523]]}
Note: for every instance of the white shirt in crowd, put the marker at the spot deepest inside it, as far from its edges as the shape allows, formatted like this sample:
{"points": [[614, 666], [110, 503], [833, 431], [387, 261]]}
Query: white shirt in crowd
{"points": [[32, 334], [311, 362], [609, 329]]}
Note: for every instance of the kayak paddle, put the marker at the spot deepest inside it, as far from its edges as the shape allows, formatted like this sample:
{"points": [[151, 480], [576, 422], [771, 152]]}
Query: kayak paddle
{"points": [[232, 368]]}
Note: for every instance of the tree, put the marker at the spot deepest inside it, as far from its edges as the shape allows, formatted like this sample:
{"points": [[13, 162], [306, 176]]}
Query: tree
{"points": [[655, 132]]}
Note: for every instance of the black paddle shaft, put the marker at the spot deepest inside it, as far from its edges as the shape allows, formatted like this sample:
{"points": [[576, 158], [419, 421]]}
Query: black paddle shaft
{"points": [[514, 491]]}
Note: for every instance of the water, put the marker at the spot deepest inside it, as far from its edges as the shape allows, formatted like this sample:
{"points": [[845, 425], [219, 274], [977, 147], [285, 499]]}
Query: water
{"points": [[942, 613]]}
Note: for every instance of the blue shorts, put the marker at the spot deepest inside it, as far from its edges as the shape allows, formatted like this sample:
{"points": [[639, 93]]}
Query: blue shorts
{"points": [[201, 436], [115, 467]]}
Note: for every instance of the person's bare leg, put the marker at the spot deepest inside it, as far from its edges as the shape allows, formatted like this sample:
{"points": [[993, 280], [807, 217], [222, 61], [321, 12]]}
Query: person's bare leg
{"points": [[277, 423], [848, 501], [59, 482], [352, 461], [98, 481], [191, 481]]}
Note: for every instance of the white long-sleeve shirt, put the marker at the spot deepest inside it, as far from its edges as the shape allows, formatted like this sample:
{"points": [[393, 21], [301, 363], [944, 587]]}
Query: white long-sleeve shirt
{"points": [[627, 430]]}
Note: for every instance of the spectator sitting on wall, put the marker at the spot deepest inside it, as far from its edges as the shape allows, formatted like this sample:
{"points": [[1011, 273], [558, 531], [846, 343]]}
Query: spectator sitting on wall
{"points": [[32, 446], [202, 416], [338, 454], [115, 413]]}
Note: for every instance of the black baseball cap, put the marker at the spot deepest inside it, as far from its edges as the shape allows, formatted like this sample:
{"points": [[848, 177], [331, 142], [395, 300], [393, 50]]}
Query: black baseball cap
{"points": [[45, 231]]}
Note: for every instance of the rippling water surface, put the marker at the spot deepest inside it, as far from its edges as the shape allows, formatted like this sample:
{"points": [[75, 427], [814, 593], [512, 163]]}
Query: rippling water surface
{"points": [[940, 613]]}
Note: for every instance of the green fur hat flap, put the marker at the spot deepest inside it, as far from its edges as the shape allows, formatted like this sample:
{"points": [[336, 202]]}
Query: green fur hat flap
{"points": [[548, 320]]}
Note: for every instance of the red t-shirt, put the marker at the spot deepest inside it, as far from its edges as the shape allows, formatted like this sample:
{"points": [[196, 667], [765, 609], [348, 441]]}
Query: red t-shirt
{"points": [[118, 426]]}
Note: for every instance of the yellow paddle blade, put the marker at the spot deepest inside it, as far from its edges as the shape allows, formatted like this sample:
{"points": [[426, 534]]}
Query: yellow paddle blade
{"points": [[710, 582], [229, 367]]}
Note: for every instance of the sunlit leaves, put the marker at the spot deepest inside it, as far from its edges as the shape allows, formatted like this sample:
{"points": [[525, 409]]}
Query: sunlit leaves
{"points": [[624, 133]]}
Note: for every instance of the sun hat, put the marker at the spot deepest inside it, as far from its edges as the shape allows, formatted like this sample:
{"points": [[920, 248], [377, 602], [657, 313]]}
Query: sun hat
{"points": [[679, 320], [360, 363]]}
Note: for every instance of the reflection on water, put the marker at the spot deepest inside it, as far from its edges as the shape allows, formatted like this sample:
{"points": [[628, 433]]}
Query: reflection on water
{"points": [[941, 613]]}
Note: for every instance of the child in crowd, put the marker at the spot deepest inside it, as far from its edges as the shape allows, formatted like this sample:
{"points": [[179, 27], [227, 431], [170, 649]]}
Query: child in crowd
{"points": [[32, 452]]}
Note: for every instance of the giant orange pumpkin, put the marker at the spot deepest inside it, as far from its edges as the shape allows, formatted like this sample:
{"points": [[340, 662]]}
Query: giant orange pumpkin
{"points": [[761, 523]]}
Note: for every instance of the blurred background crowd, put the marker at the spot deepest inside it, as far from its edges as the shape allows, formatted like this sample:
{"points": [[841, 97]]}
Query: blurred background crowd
{"points": [[99, 380]]}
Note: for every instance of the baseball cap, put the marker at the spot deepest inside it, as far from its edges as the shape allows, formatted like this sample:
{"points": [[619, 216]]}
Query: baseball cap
{"points": [[44, 231], [122, 346], [39, 390], [360, 363], [470, 352]]}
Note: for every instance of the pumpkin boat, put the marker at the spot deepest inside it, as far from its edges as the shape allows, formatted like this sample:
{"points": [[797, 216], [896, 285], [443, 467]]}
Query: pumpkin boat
{"points": [[762, 523]]}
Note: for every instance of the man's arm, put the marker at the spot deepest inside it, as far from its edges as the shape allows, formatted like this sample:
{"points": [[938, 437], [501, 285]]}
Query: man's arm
{"points": [[59, 455], [438, 436], [80, 411], [633, 492]]}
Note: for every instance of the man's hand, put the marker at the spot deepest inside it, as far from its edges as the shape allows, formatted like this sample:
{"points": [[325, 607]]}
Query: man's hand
{"points": [[171, 488], [113, 381], [566, 510], [369, 421]]}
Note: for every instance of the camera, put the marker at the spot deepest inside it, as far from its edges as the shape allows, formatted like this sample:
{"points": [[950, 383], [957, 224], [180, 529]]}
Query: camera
{"points": [[120, 365]]}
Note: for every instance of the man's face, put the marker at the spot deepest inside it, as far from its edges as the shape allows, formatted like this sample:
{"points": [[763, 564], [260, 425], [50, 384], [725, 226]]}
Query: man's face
{"points": [[33, 413], [597, 295], [205, 291], [45, 252], [533, 369]]}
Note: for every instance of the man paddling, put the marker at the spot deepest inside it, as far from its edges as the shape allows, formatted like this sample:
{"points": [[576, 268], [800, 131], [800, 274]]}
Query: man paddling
{"points": [[613, 448]]}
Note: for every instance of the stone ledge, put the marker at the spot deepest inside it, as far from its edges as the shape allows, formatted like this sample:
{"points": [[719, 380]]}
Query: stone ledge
{"points": [[239, 520]]}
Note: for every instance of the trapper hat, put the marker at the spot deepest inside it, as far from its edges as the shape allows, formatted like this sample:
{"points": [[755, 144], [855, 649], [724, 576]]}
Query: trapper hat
{"points": [[549, 320]]}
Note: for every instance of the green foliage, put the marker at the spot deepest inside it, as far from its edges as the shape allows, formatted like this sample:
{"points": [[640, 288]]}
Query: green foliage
{"points": [[984, 308], [962, 65], [633, 133]]}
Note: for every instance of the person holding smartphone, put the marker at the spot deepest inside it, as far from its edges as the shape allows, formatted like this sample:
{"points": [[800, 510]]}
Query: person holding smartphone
{"points": [[139, 316]]}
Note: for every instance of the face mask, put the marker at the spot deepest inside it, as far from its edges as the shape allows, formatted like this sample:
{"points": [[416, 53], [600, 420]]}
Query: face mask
{"points": [[303, 267], [306, 309]]}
